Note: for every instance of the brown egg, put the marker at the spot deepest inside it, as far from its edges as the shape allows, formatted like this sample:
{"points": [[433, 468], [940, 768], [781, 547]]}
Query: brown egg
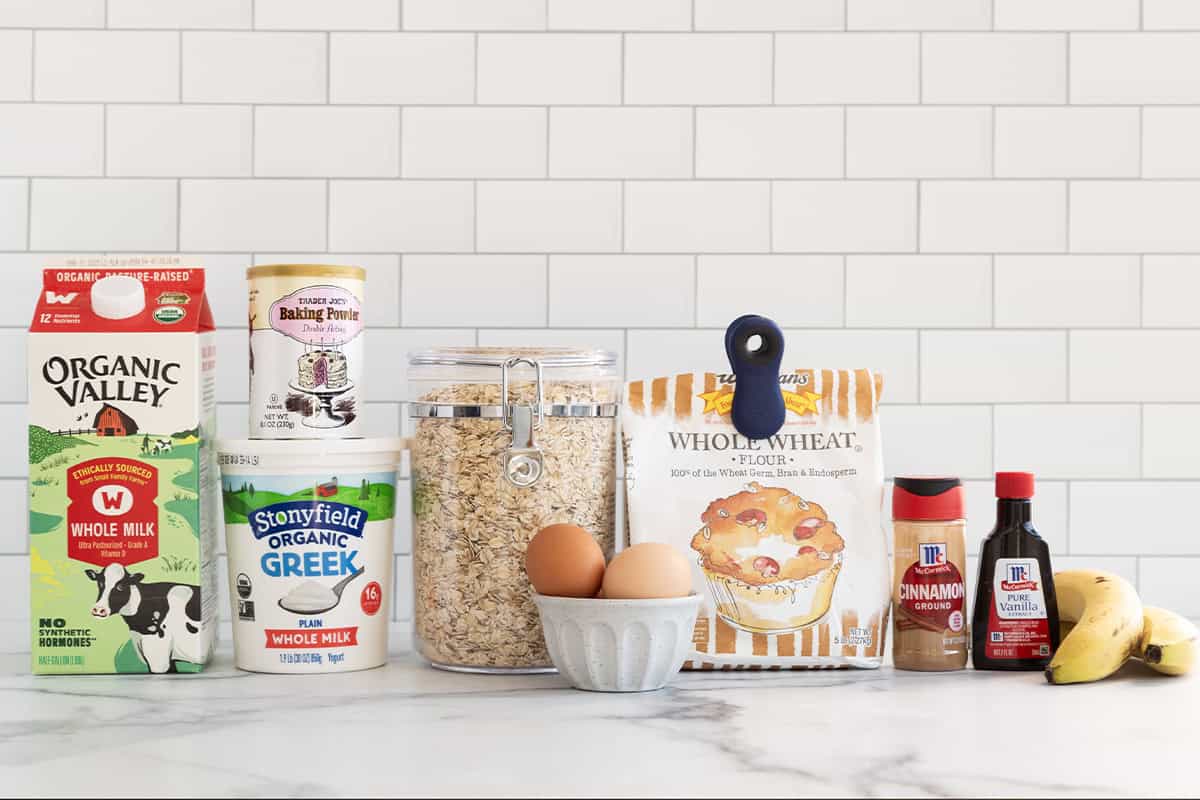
{"points": [[648, 570], [564, 561]]}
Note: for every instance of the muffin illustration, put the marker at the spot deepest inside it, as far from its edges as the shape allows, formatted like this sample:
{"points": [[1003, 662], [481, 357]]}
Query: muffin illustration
{"points": [[771, 559]]}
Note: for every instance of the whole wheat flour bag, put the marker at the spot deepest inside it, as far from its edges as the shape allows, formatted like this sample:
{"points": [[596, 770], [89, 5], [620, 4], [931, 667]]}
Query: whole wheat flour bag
{"points": [[784, 533]]}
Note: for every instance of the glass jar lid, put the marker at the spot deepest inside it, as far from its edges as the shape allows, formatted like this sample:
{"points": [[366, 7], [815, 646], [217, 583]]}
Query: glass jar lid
{"points": [[548, 357], [489, 381]]}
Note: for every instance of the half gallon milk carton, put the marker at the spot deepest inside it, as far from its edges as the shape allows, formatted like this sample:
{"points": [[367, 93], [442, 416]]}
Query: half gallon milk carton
{"points": [[122, 503]]}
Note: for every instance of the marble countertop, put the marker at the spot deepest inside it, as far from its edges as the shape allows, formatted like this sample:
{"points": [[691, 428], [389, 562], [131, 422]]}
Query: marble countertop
{"points": [[406, 729]]}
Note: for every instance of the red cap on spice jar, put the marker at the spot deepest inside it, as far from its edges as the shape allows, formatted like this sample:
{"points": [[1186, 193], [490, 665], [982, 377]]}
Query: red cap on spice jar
{"points": [[926, 498], [1014, 485]]}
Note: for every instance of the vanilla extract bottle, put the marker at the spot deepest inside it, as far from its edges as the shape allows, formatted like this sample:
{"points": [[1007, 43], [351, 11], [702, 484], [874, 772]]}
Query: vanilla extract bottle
{"points": [[1015, 622]]}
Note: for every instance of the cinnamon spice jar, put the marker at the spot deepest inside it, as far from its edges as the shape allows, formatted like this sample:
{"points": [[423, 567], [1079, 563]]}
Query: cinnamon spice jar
{"points": [[929, 595]]}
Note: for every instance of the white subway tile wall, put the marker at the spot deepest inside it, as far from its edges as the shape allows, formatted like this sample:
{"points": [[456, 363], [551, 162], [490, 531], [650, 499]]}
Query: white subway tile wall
{"points": [[991, 201]]}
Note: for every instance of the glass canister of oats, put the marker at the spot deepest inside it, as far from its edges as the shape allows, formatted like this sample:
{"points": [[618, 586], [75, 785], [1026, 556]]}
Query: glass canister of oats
{"points": [[504, 442]]}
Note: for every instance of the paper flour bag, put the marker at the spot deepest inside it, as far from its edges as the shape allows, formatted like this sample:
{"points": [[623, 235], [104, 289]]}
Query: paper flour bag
{"points": [[785, 533]]}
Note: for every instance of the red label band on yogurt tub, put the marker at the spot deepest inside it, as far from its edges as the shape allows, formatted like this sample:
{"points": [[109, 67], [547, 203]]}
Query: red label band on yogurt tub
{"points": [[310, 553], [306, 351]]}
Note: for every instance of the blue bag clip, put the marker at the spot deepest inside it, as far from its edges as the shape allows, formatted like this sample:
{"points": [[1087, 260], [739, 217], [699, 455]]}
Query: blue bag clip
{"points": [[758, 408]]}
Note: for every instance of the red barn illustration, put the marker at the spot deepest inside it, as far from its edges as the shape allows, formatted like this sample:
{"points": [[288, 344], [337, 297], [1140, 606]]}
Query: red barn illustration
{"points": [[112, 421]]}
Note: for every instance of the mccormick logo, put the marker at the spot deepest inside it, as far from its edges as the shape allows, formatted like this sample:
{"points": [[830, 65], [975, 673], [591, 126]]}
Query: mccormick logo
{"points": [[932, 555], [1018, 579], [308, 522]]}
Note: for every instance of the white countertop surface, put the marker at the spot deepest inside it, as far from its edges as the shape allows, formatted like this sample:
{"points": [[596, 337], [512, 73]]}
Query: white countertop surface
{"points": [[407, 729]]}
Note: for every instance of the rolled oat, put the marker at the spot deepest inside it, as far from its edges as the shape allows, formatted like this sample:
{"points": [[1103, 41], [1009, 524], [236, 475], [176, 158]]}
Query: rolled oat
{"points": [[473, 608]]}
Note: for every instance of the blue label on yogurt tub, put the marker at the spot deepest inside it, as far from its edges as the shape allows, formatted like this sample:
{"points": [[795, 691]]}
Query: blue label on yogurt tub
{"points": [[299, 516]]}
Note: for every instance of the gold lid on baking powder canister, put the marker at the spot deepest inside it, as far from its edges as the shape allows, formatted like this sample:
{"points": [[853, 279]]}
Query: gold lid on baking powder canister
{"points": [[307, 270]]}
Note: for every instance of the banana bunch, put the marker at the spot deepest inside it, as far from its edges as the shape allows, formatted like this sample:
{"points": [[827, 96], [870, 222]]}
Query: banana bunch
{"points": [[1104, 625]]}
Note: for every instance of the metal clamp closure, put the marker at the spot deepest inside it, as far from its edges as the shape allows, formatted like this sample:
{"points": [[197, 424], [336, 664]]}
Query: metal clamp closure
{"points": [[523, 461]]}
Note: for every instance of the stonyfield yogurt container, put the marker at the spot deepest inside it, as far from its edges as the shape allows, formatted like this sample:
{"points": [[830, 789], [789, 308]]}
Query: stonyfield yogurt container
{"points": [[309, 531], [306, 351]]}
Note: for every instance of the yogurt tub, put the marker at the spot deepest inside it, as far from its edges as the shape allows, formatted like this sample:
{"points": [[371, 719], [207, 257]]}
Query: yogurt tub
{"points": [[309, 531]]}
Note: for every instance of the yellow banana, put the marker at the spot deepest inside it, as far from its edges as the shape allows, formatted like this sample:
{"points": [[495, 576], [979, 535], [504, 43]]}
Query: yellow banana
{"points": [[1108, 625], [1170, 644]]}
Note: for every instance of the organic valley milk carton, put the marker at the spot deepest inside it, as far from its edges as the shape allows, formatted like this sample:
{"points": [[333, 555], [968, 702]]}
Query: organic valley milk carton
{"points": [[122, 503]]}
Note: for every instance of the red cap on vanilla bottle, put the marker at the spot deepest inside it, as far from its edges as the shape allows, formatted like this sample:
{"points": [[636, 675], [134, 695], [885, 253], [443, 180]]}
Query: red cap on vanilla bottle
{"points": [[1014, 485]]}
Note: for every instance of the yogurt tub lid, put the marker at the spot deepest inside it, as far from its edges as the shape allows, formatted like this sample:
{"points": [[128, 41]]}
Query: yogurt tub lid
{"points": [[313, 452]]}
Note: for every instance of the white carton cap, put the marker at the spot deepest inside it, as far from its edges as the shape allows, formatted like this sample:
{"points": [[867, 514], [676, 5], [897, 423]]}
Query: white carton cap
{"points": [[118, 297]]}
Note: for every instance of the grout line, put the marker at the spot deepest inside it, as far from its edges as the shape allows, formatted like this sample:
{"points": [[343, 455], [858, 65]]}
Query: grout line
{"points": [[845, 141], [695, 140], [1067, 532], [547, 167], [1141, 440], [1141, 291], [1067, 66], [179, 88], [1141, 141], [696, 291], [856, 32], [327, 200], [621, 218], [774, 49], [771, 216], [28, 214], [845, 293], [1068, 184], [992, 413], [475, 217], [992, 146], [920, 68], [547, 291], [253, 141], [33, 38], [920, 343], [710, 179], [400, 15], [104, 140], [622, 75], [918, 210], [656, 105], [178, 213], [995, 282], [399, 142], [475, 71], [328, 64]]}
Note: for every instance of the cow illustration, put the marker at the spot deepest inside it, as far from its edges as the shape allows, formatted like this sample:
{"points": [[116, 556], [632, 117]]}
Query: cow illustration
{"points": [[162, 446], [163, 618]]}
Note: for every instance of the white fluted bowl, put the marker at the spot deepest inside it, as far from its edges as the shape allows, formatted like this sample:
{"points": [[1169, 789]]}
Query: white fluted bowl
{"points": [[618, 645]]}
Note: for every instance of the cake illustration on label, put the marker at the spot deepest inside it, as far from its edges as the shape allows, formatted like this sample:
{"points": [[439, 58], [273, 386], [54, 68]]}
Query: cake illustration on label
{"points": [[771, 559], [323, 369]]}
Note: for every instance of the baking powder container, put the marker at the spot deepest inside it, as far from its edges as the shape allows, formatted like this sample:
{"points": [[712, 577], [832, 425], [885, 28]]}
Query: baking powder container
{"points": [[306, 351], [309, 533]]}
